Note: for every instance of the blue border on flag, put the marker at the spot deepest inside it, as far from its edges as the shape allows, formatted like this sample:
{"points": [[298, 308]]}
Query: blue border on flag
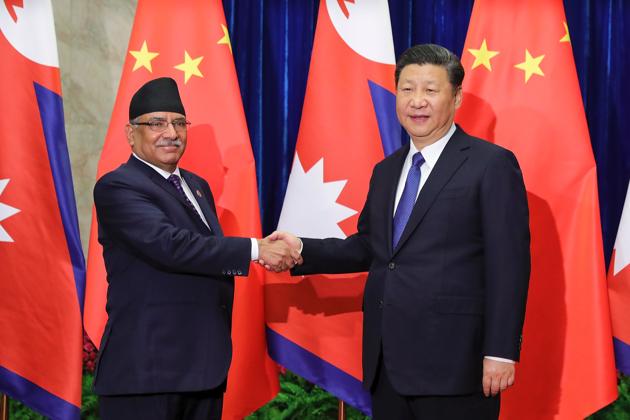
{"points": [[51, 112], [318, 371], [36, 397], [622, 356], [384, 103]]}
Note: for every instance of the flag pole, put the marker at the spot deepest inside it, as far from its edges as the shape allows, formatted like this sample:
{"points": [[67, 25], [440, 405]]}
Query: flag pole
{"points": [[4, 407], [342, 410]]}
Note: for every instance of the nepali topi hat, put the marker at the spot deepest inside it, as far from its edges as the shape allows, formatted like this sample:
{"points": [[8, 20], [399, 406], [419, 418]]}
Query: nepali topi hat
{"points": [[157, 95]]}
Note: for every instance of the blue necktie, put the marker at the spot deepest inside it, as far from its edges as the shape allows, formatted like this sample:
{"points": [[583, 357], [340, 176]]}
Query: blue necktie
{"points": [[407, 199]]}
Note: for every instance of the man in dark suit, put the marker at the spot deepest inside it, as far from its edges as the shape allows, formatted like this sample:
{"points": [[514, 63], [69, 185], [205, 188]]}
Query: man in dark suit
{"points": [[166, 348], [444, 234]]}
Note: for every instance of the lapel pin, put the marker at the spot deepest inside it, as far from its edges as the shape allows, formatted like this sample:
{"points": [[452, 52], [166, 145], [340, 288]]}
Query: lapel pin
{"points": [[198, 193]]}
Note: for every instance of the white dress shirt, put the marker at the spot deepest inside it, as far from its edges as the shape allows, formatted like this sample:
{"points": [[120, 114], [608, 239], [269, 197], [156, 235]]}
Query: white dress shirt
{"points": [[431, 154]]}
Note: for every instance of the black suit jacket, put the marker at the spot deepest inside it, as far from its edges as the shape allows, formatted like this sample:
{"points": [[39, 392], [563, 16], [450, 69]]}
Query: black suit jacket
{"points": [[170, 285], [454, 288]]}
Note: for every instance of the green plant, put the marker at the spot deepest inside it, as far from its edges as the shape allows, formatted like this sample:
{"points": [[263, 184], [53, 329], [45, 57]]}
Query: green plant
{"points": [[18, 411], [299, 399], [89, 401], [620, 409], [89, 404]]}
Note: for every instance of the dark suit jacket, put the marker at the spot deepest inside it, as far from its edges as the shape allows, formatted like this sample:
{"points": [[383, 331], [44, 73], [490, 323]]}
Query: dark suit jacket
{"points": [[170, 292], [455, 287]]}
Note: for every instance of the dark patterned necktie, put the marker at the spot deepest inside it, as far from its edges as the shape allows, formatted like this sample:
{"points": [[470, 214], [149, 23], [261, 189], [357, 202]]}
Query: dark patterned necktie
{"points": [[407, 199], [177, 183]]}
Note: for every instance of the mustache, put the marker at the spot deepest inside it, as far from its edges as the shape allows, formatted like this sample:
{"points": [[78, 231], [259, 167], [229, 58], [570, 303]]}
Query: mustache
{"points": [[168, 142]]}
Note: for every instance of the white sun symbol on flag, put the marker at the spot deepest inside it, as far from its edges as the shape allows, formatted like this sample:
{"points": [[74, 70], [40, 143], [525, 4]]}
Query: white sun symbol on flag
{"points": [[5, 212], [310, 206]]}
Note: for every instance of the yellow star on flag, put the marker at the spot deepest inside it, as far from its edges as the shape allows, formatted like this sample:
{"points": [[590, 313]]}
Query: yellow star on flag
{"points": [[143, 57], [482, 56], [190, 67], [226, 38], [531, 65], [565, 38]]}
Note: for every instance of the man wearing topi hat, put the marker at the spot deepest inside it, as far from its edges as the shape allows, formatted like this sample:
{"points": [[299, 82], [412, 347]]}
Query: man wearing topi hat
{"points": [[166, 348]]}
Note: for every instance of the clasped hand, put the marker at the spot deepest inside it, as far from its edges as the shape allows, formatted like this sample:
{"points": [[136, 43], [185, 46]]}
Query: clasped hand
{"points": [[279, 251]]}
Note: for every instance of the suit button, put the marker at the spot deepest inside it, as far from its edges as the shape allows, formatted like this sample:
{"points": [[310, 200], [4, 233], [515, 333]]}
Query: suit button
{"points": [[239, 272], [380, 303], [391, 265]]}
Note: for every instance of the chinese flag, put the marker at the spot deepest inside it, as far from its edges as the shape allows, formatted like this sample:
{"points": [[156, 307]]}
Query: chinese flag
{"points": [[521, 91], [189, 42], [42, 269]]}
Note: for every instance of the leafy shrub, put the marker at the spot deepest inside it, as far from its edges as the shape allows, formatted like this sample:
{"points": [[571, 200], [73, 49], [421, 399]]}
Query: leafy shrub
{"points": [[89, 404], [299, 399], [17, 411], [620, 409]]}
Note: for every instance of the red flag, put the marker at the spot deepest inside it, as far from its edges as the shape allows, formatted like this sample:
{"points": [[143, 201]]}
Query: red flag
{"points": [[42, 270], [521, 91], [348, 122], [619, 289], [190, 43]]}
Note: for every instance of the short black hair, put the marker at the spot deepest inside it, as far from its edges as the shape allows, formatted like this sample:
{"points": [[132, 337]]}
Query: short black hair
{"points": [[433, 54]]}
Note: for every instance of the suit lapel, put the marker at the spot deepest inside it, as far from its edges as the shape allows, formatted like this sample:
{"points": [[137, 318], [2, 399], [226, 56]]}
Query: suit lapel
{"points": [[452, 157], [203, 202], [157, 179], [164, 184]]}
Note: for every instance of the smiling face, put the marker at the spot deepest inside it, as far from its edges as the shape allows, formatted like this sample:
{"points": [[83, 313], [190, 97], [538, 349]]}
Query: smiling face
{"points": [[426, 102], [162, 149]]}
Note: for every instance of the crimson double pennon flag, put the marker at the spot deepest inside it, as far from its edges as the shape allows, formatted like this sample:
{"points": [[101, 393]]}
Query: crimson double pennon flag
{"points": [[42, 268], [348, 124]]}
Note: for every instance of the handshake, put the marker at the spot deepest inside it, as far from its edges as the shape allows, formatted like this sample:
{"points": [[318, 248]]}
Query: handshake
{"points": [[279, 251]]}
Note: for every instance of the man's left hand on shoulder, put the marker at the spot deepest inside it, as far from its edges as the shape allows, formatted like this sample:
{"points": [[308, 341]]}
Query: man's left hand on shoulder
{"points": [[497, 376]]}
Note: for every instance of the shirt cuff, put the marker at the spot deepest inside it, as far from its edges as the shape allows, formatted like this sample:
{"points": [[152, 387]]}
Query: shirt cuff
{"points": [[254, 253], [500, 359]]}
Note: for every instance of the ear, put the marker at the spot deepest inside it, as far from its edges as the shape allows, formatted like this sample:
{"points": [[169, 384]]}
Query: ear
{"points": [[129, 133], [459, 96]]}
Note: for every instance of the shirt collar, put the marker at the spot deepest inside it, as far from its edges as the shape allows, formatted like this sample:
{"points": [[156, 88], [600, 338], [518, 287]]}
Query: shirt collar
{"points": [[160, 171], [432, 152]]}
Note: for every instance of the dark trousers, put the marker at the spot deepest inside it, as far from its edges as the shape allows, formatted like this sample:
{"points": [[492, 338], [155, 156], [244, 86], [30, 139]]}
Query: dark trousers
{"points": [[388, 404], [206, 405]]}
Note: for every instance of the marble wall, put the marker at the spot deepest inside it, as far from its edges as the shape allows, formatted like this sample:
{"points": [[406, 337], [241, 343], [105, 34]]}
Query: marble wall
{"points": [[92, 38]]}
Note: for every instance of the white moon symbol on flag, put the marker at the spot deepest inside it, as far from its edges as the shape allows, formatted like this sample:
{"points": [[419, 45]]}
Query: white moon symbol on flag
{"points": [[33, 35], [367, 29]]}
